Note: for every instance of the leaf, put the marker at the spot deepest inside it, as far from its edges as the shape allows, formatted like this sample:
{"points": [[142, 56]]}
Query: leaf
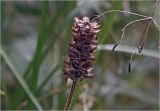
{"points": [[37, 58], [20, 80], [51, 73], [129, 49], [35, 64]]}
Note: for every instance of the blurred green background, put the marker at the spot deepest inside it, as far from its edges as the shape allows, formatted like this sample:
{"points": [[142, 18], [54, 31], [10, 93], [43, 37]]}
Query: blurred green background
{"points": [[34, 43]]}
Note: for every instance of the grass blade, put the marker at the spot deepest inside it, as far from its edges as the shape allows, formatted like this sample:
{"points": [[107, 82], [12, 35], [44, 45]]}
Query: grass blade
{"points": [[51, 73], [20, 80], [37, 58], [35, 63], [50, 30], [129, 49]]}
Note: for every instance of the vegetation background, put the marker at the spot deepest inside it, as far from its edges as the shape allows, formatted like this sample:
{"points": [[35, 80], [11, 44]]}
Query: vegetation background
{"points": [[34, 42]]}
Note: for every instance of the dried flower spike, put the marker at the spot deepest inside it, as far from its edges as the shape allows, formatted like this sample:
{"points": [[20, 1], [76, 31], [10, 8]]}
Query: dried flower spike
{"points": [[78, 64]]}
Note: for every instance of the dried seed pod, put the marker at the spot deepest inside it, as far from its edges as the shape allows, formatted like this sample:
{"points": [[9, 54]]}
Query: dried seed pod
{"points": [[78, 64]]}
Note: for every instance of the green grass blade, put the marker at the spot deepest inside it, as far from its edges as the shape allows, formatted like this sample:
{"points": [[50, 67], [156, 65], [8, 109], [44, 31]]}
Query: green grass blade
{"points": [[37, 58], [57, 36], [51, 73], [129, 49], [32, 81], [54, 21], [20, 80]]}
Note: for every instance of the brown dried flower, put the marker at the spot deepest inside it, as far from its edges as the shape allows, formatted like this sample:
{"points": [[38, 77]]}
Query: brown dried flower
{"points": [[79, 62]]}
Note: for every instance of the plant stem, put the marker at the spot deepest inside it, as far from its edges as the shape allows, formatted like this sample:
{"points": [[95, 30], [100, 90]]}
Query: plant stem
{"points": [[120, 11], [69, 99]]}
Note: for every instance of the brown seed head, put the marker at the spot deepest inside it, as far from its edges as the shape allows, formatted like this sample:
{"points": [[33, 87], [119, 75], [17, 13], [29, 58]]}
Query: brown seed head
{"points": [[79, 62]]}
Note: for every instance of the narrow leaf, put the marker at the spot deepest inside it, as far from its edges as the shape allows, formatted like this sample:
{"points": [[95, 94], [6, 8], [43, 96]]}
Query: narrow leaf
{"points": [[129, 49], [20, 80]]}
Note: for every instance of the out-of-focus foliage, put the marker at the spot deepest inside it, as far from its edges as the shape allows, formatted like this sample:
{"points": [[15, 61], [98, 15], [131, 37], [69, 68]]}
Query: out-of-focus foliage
{"points": [[34, 42]]}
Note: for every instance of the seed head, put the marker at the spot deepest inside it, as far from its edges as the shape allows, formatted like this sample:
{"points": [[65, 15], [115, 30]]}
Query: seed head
{"points": [[79, 62]]}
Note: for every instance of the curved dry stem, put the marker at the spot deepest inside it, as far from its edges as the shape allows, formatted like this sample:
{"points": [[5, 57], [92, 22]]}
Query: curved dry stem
{"points": [[120, 12], [140, 48], [148, 18], [157, 34], [130, 61], [155, 6], [141, 43], [123, 30], [156, 24]]}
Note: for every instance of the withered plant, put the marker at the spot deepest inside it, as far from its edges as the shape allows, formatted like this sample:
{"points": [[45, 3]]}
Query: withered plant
{"points": [[148, 19], [79, 62]]}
